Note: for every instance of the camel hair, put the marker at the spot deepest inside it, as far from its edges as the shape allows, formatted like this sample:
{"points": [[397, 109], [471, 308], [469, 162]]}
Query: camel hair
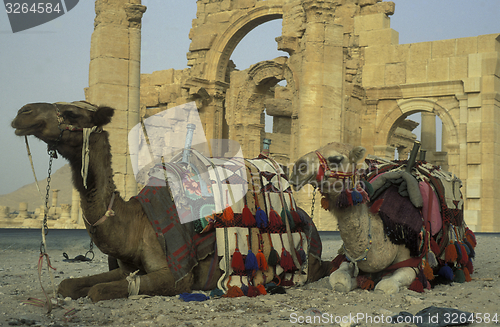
{"points": [[361, 231], [127, 235]]}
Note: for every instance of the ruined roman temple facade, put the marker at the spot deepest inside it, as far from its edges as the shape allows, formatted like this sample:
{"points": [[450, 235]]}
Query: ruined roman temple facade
{"points": [[345, 78]]}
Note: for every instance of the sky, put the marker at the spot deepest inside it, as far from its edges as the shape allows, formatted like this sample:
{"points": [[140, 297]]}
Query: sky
{"points": [[49, 63]]}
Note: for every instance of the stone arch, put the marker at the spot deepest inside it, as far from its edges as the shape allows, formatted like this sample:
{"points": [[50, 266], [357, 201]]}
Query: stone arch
{"points": [[224, 45], [409, 106]]}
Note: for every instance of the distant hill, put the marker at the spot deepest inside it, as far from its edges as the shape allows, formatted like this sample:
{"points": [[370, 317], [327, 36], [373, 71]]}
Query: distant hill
{"points": [[60, 180]]}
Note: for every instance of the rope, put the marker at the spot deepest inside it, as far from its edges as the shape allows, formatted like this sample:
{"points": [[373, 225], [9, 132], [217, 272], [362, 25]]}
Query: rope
{"points": [[86, 153], [134, 283], [32, 167]]}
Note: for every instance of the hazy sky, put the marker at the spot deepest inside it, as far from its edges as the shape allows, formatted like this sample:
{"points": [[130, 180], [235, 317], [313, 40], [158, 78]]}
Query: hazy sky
{"points": [[49, 63]]}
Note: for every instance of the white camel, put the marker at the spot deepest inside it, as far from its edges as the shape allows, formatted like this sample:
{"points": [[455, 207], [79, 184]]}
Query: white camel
{"points": [[365, 243]]}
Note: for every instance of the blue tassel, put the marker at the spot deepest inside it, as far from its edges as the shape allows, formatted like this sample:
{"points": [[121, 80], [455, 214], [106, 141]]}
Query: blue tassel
{"points": [[251, 261], [188, 297], [216, 293], [459, 251], [244, 289], [446, 272], [261, 218], [357, 198], [303, 256]]}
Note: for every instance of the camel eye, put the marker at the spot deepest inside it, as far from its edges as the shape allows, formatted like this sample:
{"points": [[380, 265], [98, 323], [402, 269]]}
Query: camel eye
{"points": [[335, 159], [71, 115]]}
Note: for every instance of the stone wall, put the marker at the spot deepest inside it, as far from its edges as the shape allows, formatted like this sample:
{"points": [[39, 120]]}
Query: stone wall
{"points": [[347, 79]]}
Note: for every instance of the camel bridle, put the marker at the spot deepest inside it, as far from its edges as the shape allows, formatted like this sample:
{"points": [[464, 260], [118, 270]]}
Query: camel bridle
{"points": [[324, 171]]}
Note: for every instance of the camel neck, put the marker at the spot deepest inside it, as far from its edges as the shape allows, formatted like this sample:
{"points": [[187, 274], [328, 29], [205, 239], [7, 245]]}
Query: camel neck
{"points": [[100, 187]]}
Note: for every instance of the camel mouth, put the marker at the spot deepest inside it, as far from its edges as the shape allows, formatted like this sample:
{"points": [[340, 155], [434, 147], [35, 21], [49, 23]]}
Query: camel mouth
{"points": [[30, 130]]}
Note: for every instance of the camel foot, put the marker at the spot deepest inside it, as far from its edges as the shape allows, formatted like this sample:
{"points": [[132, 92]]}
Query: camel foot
{"points": [[108, 291], [341, 281], [72, 288], [387, 286]]}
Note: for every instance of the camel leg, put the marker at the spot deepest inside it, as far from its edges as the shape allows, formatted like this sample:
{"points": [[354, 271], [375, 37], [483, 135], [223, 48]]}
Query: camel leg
{"points": [[318, 269], [403, 277], [79, 287], [342, 279], [160, 282]]}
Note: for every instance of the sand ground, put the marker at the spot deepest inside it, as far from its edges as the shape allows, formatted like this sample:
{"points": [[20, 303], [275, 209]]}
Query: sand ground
{"points": [[19, 255]]}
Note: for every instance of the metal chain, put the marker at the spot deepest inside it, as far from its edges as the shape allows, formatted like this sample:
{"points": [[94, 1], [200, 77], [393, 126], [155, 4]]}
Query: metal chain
{"points": [[313, 203], [52, 155]]}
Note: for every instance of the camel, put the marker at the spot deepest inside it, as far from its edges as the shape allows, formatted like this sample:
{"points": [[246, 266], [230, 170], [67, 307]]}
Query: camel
{"points": [[117, 227], [362, 231]]}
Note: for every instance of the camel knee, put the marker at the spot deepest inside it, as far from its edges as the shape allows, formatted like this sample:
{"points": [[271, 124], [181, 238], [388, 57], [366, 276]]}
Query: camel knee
{"points": [[342, 279], [403, 277]]}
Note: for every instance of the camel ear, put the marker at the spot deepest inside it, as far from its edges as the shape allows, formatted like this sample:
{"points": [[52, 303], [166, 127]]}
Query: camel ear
{"points": [[103, 116], [357, 154]]}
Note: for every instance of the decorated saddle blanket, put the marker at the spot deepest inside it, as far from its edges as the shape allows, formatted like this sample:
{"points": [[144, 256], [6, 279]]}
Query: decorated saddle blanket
{"points": [[183, 246]]}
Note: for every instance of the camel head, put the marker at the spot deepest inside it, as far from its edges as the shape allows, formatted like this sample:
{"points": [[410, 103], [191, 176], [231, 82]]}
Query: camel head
{"points": [[60, 122], [327, 168]]}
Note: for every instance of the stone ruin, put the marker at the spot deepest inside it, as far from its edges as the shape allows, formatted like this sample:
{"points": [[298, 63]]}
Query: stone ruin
{"points": [[347, 80]]}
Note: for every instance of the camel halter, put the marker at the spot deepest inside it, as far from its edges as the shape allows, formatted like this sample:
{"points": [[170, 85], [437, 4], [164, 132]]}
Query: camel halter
{"points": [[72, 128], [324, 170]]}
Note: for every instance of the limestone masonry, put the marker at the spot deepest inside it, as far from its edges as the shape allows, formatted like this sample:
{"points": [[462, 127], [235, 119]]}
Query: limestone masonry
{"points": [[347, 80]]}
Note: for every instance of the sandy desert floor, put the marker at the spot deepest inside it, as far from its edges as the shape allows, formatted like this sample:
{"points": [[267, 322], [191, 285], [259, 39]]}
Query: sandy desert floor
{"points": [[19, 254]]}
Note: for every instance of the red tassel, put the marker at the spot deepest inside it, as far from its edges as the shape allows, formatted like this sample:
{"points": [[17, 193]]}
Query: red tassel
{"points": [[417, 286], [228, 215], [471, 237], [296, 218], [262, 289], [465, 257], [253, 291], [467, 275], [261, 260], [286, 261], [247, 219], [469, 266], [450, 253], [274, 219], [237, 262], [234, 291]]}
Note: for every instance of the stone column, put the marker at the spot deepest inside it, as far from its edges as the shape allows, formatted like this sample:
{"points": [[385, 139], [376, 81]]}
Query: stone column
{"points": [[321, 79], [114, 78], [75, 206], [54, 198], [23, 211], [4, 212], [428, 135]]}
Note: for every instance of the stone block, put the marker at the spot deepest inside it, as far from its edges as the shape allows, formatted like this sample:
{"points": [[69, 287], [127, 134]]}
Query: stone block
{"points": [[376, 55], [169, 93], [395, 74], [416, 71], [219, 17], [473, 132], [162, 77], [490, 64], [490, 85], [488, 43], [279, 107], [202, 42], [473, 219], [420, 51], [281, 92], [443, 48], [115, 96], [386, 8], [110, 41], [118, 139], [149, 96], [282, 125], [315, 32], [474, 115], [473, 153], [385, 36], [473, 188], [334, 34], [475, 61], [466, 46], [145, 79], [472, 84], [474, 100], [105, 70], [399, 53], [458, 68], [438, 70], [244, 4], [371, 22]]}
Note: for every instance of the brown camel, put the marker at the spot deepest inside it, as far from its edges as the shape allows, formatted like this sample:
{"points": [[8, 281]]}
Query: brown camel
{"points": [[127, 235]]}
